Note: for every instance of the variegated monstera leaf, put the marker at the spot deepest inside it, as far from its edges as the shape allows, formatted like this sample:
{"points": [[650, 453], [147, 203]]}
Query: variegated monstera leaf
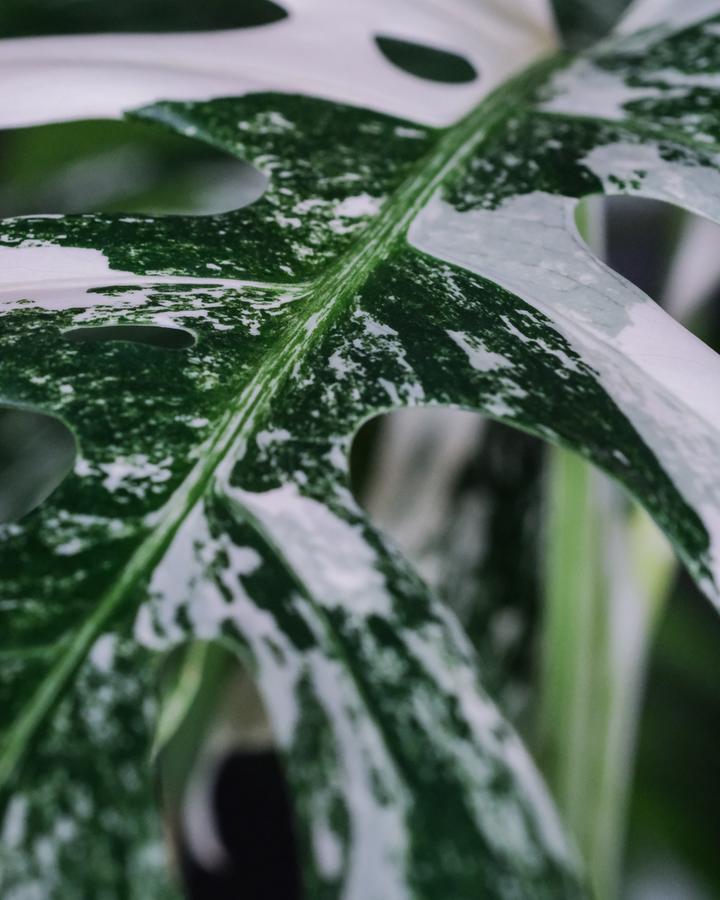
{"points": [[415, 245]]}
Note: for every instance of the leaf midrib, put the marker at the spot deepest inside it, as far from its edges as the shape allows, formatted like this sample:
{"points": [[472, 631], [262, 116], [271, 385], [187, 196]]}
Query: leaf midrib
{"points": [[325, 299]]}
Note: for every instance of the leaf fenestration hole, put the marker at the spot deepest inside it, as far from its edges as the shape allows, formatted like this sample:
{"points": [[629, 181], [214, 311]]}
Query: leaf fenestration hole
{"points": [[161, 336], [252, 13], [124, 167], [21, 18], [223, 780], [430, 63], [670, 254], [37, 452], [460, 495]]}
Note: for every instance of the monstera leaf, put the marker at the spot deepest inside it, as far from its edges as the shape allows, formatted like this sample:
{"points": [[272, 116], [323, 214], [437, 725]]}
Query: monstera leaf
{"points": [[415, 245]]}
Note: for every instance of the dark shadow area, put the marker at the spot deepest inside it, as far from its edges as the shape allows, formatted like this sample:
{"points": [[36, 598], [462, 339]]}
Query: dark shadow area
{"points": [[222, 781], [37, 452], [582, 22], [640, 235], [674, 826], [254, 822], [166, 338], [430, 63]]}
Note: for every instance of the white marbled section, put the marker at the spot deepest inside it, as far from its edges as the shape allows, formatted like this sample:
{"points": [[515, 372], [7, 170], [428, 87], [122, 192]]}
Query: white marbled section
{"points": [[53, 278], [348, 576], [339, 569], [662, 378], [325, 48], [199, 581], [630, 168], [670, 15], [585, 89], [511, 828]]}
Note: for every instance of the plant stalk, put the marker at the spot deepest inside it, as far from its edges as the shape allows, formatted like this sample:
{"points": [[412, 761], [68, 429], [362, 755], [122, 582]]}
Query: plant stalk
{"points": [[606, 577]]}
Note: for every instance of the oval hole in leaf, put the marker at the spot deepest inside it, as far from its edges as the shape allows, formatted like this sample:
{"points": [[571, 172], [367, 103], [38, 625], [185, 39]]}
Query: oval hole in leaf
{"points": [[21, 18], [120, 167], [166, 338], [460, 495], [37, 452], [251, 13], [426, 62], [671, 255]]}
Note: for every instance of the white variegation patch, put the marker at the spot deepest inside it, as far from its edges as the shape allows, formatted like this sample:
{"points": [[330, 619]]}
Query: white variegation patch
{"points": [[56, 278], [324, 48], [630, 168], [662, 377], [586, 89], [666, 16], [348, 577]]}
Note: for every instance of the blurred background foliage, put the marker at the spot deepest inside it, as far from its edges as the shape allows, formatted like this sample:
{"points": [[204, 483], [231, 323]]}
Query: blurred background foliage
{"points": [[465, 498]]}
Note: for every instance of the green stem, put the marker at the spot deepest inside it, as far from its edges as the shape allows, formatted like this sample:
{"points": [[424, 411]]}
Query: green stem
{"points": [[607, 572]]}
